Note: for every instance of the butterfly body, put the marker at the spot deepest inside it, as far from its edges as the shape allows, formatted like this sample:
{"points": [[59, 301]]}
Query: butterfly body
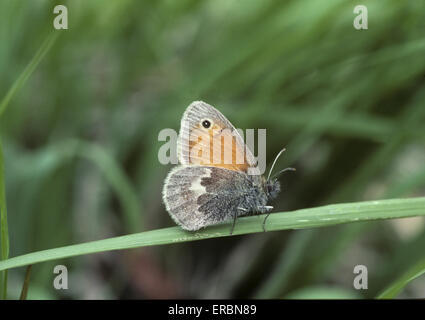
{"points": [[206, 189]]}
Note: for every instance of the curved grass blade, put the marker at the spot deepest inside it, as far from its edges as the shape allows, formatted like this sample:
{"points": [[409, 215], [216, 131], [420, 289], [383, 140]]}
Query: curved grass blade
{"points": [[299, 219], [23, 77], [395, 288]]}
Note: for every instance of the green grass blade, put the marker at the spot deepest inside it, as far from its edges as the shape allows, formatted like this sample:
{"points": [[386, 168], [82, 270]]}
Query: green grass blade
{"points": [[23, 77], [17, 85], [4, 233], [299, 219], [26, 284], [395, 288]]}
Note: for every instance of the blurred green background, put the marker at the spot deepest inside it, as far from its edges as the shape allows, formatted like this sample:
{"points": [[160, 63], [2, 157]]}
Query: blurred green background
{"points": [[80, 139]]}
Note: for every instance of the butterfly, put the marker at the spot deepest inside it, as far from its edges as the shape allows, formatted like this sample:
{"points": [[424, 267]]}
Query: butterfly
{"points": [[218, 179]]}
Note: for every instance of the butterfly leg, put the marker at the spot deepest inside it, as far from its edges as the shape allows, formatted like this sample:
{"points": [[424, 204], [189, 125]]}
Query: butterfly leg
{"points": [[235, 216], [267, 209]]}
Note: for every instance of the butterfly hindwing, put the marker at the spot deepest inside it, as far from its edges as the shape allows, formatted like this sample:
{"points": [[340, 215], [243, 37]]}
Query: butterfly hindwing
{"points": [[198, 196]]}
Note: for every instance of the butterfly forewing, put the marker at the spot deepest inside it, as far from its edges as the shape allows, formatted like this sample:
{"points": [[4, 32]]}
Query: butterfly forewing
{"points": [[219, 145]]}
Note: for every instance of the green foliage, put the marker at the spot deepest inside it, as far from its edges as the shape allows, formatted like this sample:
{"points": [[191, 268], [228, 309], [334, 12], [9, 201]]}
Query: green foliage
{"points": [[394, 289], [4, 232], [81, 110]]}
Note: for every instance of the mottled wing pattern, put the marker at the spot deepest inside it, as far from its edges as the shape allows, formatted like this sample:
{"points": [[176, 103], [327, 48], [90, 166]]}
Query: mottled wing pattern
{"points": [[193, 137], [198, 196]]}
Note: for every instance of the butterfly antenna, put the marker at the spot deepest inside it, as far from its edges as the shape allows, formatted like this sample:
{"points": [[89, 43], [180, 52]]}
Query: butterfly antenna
{"points": [[282, 171], [274, 162]]}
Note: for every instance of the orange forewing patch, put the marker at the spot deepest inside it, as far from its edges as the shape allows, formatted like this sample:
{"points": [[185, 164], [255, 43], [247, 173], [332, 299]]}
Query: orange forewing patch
{"points": [[216, 147]]}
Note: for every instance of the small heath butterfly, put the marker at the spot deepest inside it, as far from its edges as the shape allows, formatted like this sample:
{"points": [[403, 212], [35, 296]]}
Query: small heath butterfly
{"points": [[217, 179]]}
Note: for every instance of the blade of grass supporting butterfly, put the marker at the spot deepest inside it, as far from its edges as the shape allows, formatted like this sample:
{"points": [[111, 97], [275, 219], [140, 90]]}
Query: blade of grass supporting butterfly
{"points": [[3, 227], [24, 291], [395, 288], [299, 219]]}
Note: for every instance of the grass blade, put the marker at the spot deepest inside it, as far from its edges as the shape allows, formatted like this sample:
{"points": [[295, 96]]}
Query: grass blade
{"points": [[395, 288], [24, 291], [18, 84], [4, 232], [299, 219]]}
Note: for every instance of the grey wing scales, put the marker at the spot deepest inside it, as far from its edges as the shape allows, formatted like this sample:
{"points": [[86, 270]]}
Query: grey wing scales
{"points": [[198, 196]]}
